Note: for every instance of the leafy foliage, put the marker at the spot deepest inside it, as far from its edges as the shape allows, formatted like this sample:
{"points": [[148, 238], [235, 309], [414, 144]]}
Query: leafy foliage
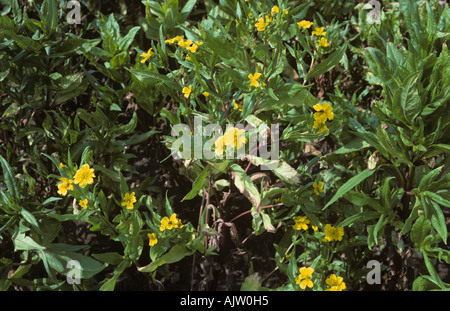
{"points": [[361, 167]]}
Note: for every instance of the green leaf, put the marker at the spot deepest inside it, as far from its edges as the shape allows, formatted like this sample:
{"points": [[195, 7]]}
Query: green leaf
{"points": [[437, 198], [129, 127], [252, 283], [23, 42], [58, 259], [267, 222], [420, 229], [350, 184], [198, 184], [119, 60], [49, 16], [438, 221], [9, 178], [428, 178], [31, 220], [329, 63], [175, 254], [359, 218], [125, 42], [410, 99], [110, 284], [22, 242], [186, 10], [422, 283], [434, 276], [3, 75], [151, 77], [22, 270]]}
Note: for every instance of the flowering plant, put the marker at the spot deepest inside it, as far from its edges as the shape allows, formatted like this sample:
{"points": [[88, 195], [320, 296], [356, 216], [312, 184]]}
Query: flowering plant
{"points": [[170, 142]]}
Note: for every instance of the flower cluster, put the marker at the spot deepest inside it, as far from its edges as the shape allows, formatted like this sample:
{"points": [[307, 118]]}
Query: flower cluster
{"points": [[233, 137], [83, 177], [188, 44], [335, 283], [261, 24], [264, 22], [324, 112], [318, 32], [331, 233]]}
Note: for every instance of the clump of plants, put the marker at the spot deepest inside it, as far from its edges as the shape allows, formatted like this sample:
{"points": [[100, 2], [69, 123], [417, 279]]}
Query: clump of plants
{"points": [[323, 135]]}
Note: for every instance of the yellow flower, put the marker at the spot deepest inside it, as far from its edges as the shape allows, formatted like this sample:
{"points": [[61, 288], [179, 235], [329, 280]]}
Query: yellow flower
{"points": [[321, 127], [268, 19], [318, 187], [324, 111], [193, 48], [152, 240], [237, 106], [170, 223], [128, 200], [84, 176], [323, 42], [306, 273], [187, 91], [333, 233], [275, 10], [304, 278], [318, 31], [185, 44], [261, 25], [304, 24], [233, 137], [147, 55], [175, 39], [205, 93], [254, 79], [64, 185], [336, 283], [219, 145], [315, 228], [306, 283], [301, 223], [61, 165], [83, 203]]}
